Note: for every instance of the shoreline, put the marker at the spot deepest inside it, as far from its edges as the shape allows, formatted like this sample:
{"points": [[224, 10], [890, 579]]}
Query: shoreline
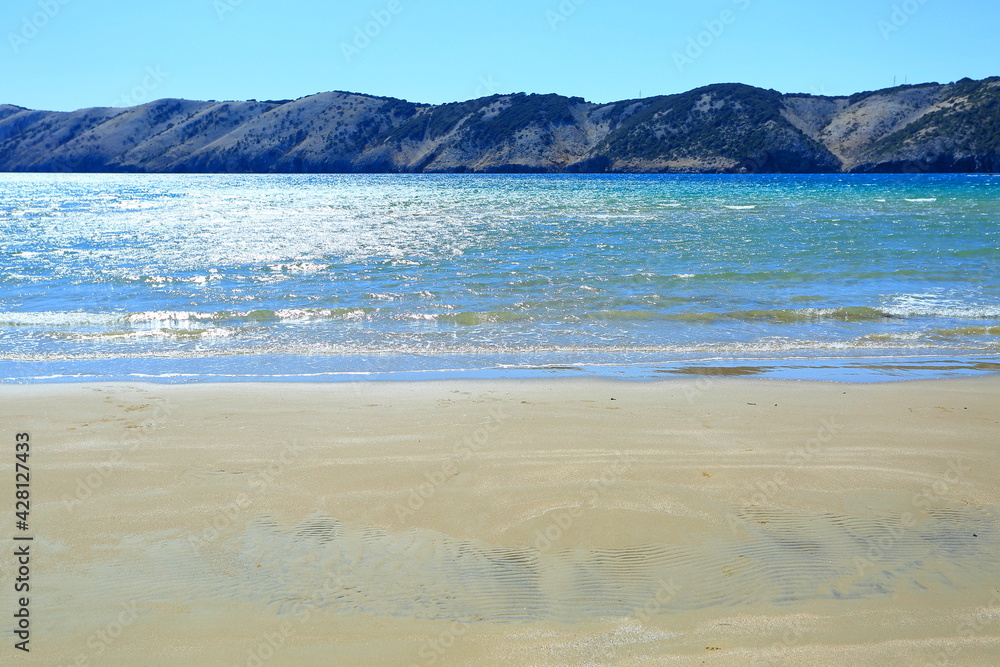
{"points": [[461, 367], [678, 380], [561, 521]]}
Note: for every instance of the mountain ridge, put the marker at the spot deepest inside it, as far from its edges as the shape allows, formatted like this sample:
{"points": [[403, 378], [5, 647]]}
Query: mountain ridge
{"points": [[720, 128]]}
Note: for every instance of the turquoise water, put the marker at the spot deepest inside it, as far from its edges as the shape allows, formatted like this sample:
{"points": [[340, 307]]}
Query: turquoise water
{"points": [[215, 277]]}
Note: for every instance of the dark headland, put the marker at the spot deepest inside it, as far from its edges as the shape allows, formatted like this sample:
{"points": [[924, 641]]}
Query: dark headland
{"points": [[723, 128]]}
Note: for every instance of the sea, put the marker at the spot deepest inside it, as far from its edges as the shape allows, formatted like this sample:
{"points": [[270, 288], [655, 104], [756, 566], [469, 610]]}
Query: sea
{"points": [[210, 278]]}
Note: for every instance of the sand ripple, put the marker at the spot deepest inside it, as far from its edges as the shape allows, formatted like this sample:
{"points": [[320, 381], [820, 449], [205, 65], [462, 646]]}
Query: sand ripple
{"points": [[764, 556]]}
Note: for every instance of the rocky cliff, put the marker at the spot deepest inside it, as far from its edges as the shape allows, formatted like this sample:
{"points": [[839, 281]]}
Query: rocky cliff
{"points": [[718, 128]]}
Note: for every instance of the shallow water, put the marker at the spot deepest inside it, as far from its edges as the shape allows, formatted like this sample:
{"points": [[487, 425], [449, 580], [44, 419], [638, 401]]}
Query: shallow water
{"points": [[765, 557], [215, 277]]}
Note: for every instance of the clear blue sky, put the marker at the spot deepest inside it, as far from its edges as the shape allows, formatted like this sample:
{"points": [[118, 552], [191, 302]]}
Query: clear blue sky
{"points": [[68, 54]]}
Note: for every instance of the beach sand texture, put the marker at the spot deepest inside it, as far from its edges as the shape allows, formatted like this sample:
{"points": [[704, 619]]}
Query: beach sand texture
{"points": [[713, 521]]}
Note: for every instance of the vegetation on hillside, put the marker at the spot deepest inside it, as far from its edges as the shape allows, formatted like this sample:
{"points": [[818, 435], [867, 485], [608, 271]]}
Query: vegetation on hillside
{"points": [[522, 112], [731, 121], [859, 97], [970, 125], [436, 121], [722, 127]]}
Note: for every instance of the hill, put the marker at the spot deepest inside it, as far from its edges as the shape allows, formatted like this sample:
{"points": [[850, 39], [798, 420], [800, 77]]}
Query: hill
{"points": [[723, 128]]}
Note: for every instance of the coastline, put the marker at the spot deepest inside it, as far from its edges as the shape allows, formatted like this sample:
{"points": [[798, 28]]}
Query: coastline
{"points": [[511, 521], [504, 367]]}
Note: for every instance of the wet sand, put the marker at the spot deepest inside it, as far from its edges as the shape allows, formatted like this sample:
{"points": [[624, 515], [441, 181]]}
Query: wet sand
{"points": [[713, 521]]}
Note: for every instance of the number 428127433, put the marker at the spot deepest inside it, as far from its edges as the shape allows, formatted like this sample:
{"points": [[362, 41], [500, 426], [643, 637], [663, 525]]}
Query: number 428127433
{"points": [[22, 481]]}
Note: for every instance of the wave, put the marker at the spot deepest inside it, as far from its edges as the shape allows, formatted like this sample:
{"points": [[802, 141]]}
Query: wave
{"points": [[797, 315], [489, 317], [58, 319], [768, 346], [779, 315], [569, 311], [968, 331], [955, 333], [969, 313], [259, 315], [935, 305], [165, 317], [844, 314], [137, 334]]}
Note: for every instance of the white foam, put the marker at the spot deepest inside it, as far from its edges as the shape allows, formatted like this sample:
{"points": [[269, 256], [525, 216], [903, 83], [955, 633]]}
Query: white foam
{"points": [[975, 312], [168, 316], [936, 305], [310, 314], [58, 318], [301, 314]]}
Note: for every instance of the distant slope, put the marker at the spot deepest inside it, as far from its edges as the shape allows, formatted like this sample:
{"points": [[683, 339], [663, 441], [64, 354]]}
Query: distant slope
{"points": [[927, 127], [729, 127], [719, 128], [959, 132]]}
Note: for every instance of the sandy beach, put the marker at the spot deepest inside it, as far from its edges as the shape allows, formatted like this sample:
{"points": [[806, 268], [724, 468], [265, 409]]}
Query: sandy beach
{"points": [[712, 521]]}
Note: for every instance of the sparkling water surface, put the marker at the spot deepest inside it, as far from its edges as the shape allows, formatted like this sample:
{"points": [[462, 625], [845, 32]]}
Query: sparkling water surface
{"points": [[297, 277]]}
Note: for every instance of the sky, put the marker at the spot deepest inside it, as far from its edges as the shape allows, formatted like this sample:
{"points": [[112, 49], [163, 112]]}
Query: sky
{"points": [[69, 54]]}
